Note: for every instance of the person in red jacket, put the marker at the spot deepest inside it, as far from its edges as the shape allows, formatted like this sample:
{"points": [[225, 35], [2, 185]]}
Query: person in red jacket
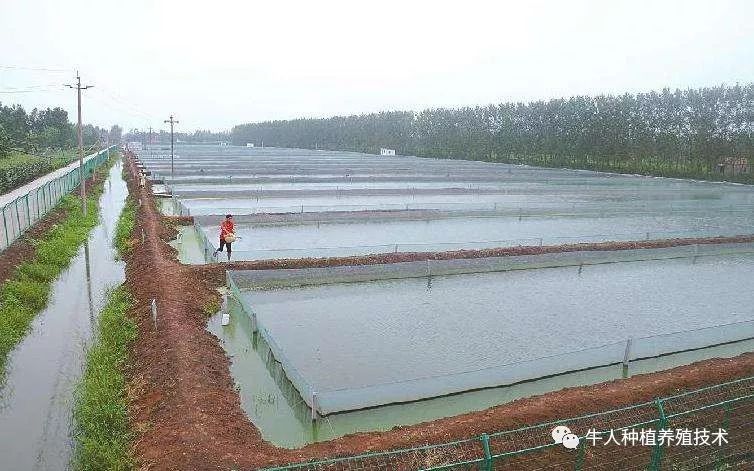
{"points": [[226, 231]]}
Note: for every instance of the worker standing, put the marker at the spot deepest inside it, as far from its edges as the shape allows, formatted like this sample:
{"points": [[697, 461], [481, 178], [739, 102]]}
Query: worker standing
{"points": [[227, 235]]}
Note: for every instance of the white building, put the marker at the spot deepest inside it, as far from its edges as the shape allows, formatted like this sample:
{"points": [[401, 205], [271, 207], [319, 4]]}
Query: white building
{"points": [[249, 144], [133, 146], [384, 151]]}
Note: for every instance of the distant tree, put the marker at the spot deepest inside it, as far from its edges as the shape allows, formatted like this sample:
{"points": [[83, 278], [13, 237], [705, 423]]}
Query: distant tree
{"points": [[115, 135], [680, 133]]}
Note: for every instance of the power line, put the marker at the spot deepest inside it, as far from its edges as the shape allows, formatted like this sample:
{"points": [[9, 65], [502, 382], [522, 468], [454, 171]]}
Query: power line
{"points": [[20, 147], [46, 85], [123, 104], [33, 69], [31, 90]]}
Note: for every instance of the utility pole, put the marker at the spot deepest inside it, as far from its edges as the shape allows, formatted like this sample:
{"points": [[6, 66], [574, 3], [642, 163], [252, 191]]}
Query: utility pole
{"points": [[172, 122], [82, 183]]}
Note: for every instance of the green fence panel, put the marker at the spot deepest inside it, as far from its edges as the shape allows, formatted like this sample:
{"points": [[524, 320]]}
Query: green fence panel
{"points": [[46, 197], [724, 408]]}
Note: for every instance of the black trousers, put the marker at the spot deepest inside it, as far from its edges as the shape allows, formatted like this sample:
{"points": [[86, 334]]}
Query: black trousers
{"points": [[223, 244]]}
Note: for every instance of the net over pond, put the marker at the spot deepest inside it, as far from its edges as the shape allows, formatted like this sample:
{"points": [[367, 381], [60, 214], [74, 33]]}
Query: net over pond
{"points": [[215, 179], [390, 233], [348, 346]]}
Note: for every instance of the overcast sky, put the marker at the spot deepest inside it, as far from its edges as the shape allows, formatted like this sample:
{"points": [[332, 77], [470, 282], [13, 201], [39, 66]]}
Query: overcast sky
{"points": [[219, 63]]}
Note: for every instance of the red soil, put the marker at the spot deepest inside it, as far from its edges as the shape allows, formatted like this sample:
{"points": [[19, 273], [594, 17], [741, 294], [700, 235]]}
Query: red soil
{"points": [[215, 272], [187, 415]]}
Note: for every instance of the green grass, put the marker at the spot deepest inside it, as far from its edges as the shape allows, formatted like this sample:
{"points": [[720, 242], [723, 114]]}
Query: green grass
{"points": [[17, 169], [27, 291], [102, 432], [124, 230], [210, 308]]}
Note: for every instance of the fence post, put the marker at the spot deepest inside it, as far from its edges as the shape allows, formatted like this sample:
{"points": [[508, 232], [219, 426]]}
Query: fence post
{"points": [[487, 455], [18, 218], [726, 421], [627, 353], [581, 455], [28, 211], [654, 465], [5, 227]]}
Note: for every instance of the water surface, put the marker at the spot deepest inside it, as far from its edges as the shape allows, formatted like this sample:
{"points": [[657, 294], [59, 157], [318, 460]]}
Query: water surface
{"points": [[37, 399]]}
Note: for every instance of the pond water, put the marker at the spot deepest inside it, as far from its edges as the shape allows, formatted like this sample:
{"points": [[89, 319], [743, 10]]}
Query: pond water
{"points": [[378, 342], [37, 398], [380, 236]]}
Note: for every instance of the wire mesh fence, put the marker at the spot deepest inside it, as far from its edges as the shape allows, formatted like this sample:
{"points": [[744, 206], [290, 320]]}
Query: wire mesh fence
{"points": [[709, 428], [21, 213]]}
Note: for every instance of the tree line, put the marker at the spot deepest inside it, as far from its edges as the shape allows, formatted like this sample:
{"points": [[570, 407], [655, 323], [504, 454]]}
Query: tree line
{"points": [[162, 137], [40, 130], [687, 133]]}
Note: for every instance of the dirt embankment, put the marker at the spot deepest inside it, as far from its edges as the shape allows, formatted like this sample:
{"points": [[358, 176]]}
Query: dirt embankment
{"points": [[23, 249], [215, 272], [187, 415]]}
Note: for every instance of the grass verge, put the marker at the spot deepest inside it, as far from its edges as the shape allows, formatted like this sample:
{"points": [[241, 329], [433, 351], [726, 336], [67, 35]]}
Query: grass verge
{"points": [[27, 291], [124, 230], [102, 432]]}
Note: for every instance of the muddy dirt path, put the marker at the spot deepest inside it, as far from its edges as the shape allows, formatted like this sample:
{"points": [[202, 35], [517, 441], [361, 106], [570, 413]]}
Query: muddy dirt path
{"points": [[37, 398], [188, 416]]}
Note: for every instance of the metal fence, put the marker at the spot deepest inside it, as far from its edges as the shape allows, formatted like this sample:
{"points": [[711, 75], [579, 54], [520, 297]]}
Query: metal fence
{"points": [[710, 428], [21, 213]]}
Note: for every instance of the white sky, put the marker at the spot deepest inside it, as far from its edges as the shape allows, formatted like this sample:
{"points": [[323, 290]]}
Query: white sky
{"points": [[219, 63]]}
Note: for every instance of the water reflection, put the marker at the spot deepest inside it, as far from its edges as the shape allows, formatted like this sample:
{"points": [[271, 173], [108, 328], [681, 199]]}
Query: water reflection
{"points": [[89, 283]]}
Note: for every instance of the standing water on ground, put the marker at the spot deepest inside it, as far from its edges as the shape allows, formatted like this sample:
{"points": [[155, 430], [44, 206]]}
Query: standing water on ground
{"points": [[36, 401]]}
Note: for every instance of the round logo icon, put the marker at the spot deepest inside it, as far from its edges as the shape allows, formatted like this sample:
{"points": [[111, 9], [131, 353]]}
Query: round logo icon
{"points": [[559, 432]]}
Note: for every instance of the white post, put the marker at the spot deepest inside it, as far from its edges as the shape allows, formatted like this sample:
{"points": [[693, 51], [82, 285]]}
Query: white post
{"points": [[225, 320], [154, 313], [314, 407]]}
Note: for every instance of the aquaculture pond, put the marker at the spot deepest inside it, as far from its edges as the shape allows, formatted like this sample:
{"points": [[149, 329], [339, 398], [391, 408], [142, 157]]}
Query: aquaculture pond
{"points": [[362, 236], [366, 344]]}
